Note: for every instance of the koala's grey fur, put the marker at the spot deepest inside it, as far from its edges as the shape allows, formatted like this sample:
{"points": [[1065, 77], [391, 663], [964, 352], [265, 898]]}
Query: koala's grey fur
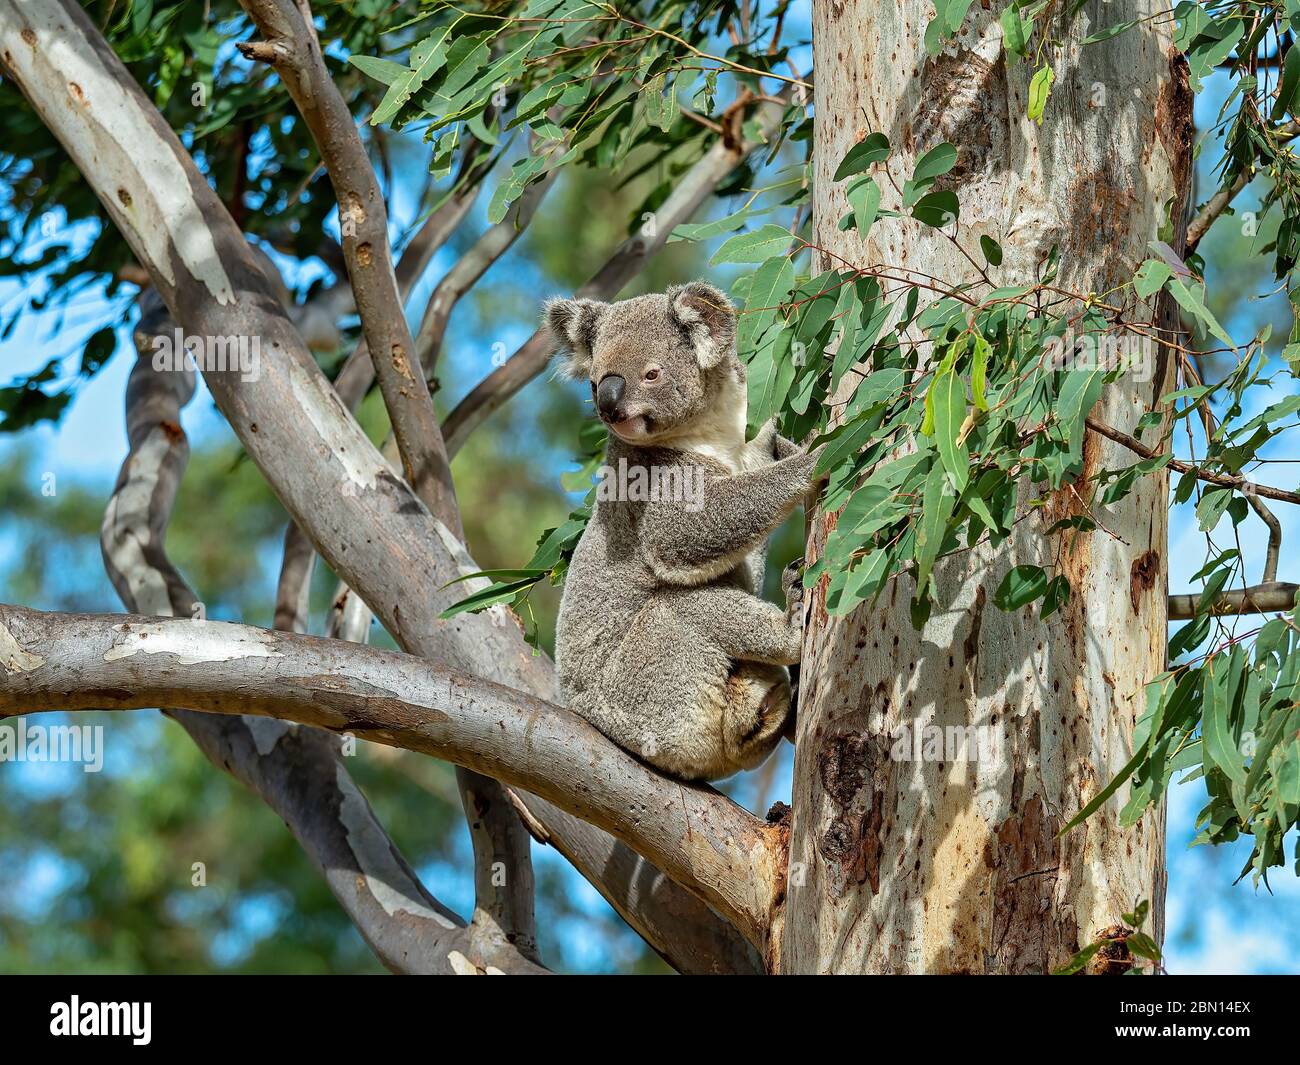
{"points": [[663, 642]]}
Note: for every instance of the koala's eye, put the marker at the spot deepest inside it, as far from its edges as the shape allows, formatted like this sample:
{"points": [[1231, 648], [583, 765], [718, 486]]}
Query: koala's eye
{"points": [[652, 374]]}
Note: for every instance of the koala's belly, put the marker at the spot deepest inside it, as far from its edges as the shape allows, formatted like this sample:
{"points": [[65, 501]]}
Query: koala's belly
{"points": [[614, 611], [602, 595]]}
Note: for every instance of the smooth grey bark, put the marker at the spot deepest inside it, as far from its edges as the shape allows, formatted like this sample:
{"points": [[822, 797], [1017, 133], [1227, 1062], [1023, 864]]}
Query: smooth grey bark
{"points": [[292, 49], [364, 521], [503, 908], [353, 381]]}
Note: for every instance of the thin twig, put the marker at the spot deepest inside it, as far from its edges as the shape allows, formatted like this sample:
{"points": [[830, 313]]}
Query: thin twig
{"points": [[1225, 480], [1218, 203]]}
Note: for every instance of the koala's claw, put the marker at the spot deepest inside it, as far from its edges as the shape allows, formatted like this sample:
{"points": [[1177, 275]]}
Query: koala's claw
{"points": [[792, 586], [792, 717]]}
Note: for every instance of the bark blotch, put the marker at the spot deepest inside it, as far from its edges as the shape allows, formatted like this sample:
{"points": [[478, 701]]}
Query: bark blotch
{"points": [[953, 107], [851, 843], [1174, 126], [1099, 227], [1026, 861], [1114, 958], [1145, 573]]}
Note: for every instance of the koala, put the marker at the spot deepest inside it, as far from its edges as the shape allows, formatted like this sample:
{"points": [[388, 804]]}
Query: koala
{"points": [[663, 642]]}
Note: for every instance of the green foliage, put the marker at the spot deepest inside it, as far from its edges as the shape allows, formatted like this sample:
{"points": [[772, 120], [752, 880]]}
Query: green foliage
{"points": [[1230, 717], [944, 413], [575, 82], [242, 128]]}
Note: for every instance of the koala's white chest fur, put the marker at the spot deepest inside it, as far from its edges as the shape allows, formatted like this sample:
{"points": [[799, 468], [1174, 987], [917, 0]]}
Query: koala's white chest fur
{"points": [[722, 438]]}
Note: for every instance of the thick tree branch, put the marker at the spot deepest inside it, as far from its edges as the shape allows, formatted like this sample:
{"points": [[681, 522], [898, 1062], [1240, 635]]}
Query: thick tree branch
{"points": [[358, 373], [292, 50], [119, 662], [367, 524], [695, 186]]}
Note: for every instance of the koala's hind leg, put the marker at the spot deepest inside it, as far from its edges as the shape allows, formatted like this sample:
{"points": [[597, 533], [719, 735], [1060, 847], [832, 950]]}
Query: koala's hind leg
{"points": [[756, 704]]}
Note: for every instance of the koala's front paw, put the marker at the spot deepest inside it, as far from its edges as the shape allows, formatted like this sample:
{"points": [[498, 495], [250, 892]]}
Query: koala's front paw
{"points": [[765, 440], [792, 586], [816, 481]]}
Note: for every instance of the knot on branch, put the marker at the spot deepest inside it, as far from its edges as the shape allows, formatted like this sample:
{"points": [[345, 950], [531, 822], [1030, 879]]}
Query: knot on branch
{"points": [[271, 52]]}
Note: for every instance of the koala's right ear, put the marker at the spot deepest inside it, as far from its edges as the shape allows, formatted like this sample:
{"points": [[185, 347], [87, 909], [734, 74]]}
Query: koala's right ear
{"points": [[572, 324], [708, 317]]}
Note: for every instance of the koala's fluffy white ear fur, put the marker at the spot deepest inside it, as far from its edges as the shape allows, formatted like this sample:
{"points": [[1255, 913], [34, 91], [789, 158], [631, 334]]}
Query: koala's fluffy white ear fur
{"points": [[708, 317], [572, 324]]}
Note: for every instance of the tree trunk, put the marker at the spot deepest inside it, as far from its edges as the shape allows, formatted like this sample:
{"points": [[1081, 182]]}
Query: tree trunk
{"points": [[956, 866]]}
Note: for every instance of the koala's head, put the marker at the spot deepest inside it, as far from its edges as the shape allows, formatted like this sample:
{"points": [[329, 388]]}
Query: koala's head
{"points": [[657, 365]]}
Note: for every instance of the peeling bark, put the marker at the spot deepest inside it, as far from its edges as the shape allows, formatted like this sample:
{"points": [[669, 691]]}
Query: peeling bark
{"points": [[955, 866]]}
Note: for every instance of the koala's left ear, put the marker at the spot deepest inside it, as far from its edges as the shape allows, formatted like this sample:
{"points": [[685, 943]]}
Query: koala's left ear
{"points": [[708, 318], [572, 325]]}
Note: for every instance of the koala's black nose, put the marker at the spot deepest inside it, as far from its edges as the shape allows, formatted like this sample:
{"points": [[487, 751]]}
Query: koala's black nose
{"points": [[609, 393]]}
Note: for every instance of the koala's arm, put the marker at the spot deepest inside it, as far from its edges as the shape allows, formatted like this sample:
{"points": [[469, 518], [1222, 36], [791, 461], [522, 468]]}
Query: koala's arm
{"points": [[772, 442], [752, 629], [687, 547]]}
